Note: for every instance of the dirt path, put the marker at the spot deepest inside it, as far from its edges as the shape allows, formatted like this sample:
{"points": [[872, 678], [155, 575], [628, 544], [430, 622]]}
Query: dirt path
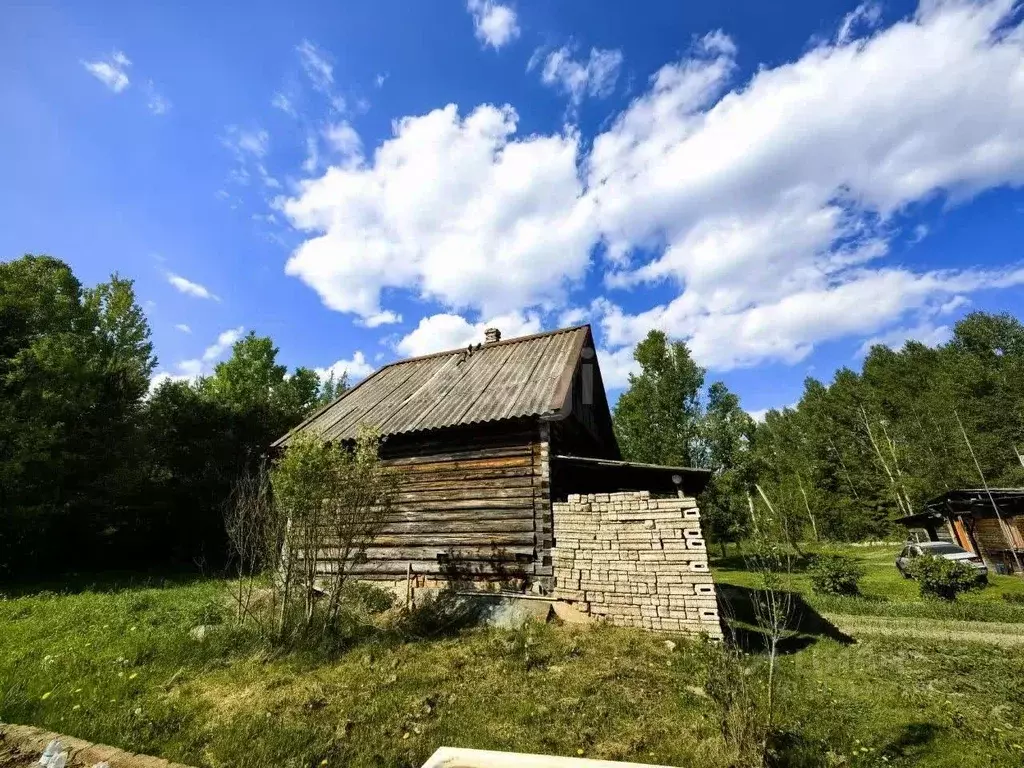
{"points": [[993, 633]]}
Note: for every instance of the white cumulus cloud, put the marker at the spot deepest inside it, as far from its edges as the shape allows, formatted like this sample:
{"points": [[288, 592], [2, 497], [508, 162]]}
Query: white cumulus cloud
{"points": [[441, 332], [190, 288], [769, 207], [242, 142], [864, 16], [577, 78], [112, 71], [454, 208], [284, 103], [203, 366], [319, 68], [156, 102], [343, 139], [495, 23], [193, 368], [355, 368], [927, 332], [317, 65]]}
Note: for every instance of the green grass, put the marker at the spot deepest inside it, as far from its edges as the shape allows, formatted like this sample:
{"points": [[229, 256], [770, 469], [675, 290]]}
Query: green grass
{"points": [[119, 667], [886, 593]]}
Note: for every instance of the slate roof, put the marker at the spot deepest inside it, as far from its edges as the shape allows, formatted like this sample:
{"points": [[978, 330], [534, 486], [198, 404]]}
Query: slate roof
{"points": [[518, 377]]}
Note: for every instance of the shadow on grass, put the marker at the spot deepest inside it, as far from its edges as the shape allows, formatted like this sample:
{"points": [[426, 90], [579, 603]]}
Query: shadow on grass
{"points": [[741, 562], [106, 581], [737, 607], [912, 740]]}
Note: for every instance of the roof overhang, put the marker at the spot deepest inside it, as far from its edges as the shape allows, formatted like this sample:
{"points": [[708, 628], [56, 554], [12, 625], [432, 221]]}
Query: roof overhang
{"points": [[962, 501], [921, 518], [652, 477]]}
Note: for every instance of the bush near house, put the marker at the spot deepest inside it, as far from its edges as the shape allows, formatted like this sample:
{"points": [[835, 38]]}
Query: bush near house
{"points": [[942, 578], [835, 574]]}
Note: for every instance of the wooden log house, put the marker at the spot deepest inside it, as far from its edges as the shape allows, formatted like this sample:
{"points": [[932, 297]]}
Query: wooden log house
{"points": [[484, 438]]}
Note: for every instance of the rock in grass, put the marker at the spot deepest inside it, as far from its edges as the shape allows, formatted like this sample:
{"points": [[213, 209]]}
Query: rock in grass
{"points": [[200, 632]]}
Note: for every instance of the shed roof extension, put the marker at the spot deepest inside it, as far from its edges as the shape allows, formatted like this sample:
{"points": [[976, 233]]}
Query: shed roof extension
{"points": [[529, 376]]}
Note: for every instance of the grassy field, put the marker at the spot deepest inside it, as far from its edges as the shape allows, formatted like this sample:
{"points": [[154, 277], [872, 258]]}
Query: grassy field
{"points": [[117, 664], [886, 593]]}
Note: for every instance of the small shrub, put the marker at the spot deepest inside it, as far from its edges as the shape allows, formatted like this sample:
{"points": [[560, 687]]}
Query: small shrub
{"points": [[367, 598], [445, 614], [939, 577], [836, 575], [735, 684]]}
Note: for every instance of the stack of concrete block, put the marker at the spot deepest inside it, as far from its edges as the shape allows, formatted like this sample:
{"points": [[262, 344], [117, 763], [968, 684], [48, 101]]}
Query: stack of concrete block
{"points": [[635, 561]]}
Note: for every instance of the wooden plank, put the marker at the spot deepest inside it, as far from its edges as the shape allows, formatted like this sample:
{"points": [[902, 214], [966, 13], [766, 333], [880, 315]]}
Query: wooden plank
{"points": [[466, 493], [510, 520], [468, 463], [412, 516], [483, 435], [517, 503], [459, 526], [397, 568], [467, 446], [480, 435], [515, 539], [407, 507], [431, 553], [518, 477], [448, 539]]}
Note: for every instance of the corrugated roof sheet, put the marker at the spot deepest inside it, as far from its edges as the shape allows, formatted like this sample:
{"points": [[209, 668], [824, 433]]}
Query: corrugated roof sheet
{"points": [[514, 378]]}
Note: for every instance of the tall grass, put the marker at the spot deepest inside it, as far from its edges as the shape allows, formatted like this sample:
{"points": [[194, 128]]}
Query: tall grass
{"points": [[121, 666]]}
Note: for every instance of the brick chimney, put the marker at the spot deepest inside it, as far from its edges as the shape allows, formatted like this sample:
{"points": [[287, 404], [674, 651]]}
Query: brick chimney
{"points": [[492, 335]]}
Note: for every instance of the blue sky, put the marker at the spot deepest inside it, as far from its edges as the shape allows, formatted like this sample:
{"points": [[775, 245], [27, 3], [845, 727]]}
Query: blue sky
{"points": [[780, 185]]}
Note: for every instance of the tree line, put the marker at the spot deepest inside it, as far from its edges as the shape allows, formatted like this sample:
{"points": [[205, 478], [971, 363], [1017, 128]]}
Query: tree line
{"points": [[98, 472], [852, 455]]}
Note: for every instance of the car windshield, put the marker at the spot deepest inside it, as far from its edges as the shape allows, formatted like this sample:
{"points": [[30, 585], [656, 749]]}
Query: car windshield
{"points": [[943, 549]]}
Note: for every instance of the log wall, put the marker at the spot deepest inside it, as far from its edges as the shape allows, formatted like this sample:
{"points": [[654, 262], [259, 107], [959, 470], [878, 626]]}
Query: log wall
{"points": [[476, 496]]}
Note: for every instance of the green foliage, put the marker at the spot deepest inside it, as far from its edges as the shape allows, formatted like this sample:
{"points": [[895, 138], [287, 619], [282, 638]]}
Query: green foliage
{"points": [[943, 578], [258, 390], [875, 445], [336, 500], [95, 470], [332, 387], [74, 366], [732, 682], [835, 574], [366, 597], [664, 418], [657, 419], [612, 693], [727, 432]]}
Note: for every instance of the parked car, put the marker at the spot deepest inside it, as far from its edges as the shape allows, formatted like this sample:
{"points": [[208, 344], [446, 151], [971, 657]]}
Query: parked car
{"points": [[941, 549]]}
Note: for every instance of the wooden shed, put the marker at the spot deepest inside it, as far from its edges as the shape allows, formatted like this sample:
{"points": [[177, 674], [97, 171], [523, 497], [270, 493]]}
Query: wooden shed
{"points": [[988, 522], [485, 438]]}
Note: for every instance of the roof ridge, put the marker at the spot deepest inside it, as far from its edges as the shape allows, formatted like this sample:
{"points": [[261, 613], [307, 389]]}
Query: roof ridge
{"points": [[491, 345]]}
